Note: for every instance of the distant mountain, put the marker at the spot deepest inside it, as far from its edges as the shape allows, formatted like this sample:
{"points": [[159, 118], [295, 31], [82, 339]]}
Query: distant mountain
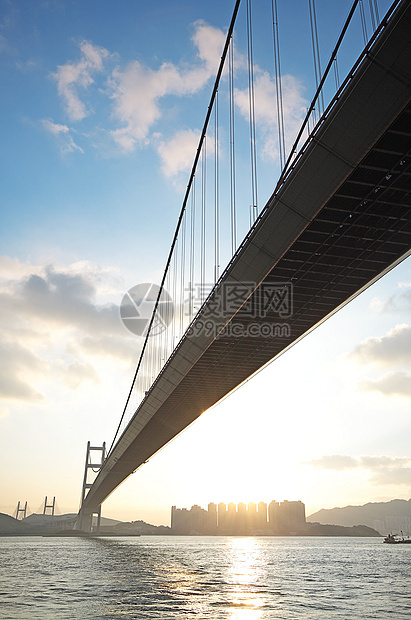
{"points": [[9, 525], [338, 530], [38, 524], [40, 519], [393, 516], [139, 528]]}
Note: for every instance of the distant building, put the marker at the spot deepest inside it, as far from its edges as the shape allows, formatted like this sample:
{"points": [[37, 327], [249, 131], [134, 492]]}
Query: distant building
{"points": [[194, 521], [262, 516], [252, 516], [222, 517], [286, 517], [273, 515], [279, 518], [212, 517]]}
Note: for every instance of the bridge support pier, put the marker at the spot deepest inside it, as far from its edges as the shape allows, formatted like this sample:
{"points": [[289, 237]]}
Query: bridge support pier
{"points": [[85, 521], [85, 516]]}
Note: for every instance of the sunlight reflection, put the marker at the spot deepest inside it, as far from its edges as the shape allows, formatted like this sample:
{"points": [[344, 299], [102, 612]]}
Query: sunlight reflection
{"points": [[245, 578]]}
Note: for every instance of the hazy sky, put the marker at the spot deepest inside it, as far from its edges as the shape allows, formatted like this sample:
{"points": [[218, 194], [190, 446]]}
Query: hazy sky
{"points": [[101, 107]]}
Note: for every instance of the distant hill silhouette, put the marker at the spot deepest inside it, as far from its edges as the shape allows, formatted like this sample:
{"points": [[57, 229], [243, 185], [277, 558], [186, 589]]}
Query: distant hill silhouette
{"points": [[39, 525], [338, 530], [382, 516], [39, 519], [10, 525]]}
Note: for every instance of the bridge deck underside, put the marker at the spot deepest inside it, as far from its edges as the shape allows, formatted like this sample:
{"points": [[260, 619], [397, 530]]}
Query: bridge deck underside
{"points": [[365, 227], [355, 230]]}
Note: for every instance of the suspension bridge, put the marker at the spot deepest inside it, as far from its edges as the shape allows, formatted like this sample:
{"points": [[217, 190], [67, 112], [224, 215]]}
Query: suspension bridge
{"points": [[337, 220]]}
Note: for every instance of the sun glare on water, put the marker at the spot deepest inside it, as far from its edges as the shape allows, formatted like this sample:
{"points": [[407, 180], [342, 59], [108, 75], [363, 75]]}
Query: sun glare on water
{"points": [[244, 577]]}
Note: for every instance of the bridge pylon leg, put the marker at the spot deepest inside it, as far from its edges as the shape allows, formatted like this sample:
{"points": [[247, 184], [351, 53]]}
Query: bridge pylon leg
{"points": [[85, 518], [50, 507], [21, 510]]}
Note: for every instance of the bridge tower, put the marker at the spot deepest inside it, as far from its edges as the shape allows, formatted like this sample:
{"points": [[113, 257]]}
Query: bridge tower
{"points": [[21, 510], [50, 507], [85, 520]]}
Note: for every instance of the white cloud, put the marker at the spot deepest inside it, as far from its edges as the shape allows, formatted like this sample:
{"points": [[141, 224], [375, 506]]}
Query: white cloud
{"points": [[377, 305], [400, 301], [76, 373], [63, 136], [18, 369], [394, 348], [391, 384], [54, 128], [57, 328], [391, 350], [12, 268], [337, 462], [178, 153], [137, 93], [210, 44], [73, 76], [137, 90], [382, 469]]}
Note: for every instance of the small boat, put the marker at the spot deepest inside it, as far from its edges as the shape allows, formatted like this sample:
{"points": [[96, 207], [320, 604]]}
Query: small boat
{"points": [[396, 540]]}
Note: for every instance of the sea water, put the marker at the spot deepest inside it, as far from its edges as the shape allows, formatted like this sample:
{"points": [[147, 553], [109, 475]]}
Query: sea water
{"points": [[214, 578]]}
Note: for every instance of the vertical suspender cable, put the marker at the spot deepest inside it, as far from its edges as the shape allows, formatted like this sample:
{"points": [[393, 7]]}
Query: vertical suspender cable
{"points": [[363, 23], [278, 84], [316, 53], [251, 102], [203, 220], [373, 22], [175, 272], [192, 245], [183, 208], [336, 74], [216, 195], [162, 338], [169, 319], [182, 272], [232, 148], [312, 105], [377, 17]]}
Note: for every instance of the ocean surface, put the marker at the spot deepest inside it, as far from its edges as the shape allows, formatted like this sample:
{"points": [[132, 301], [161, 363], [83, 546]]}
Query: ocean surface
{"points": [[236, 578]]}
